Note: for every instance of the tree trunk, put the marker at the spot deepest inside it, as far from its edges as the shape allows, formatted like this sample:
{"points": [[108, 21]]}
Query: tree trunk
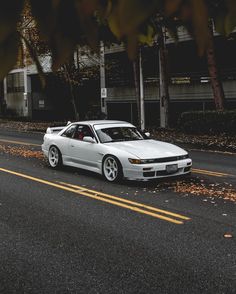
{"points": [[72, 95], [136, 85], [1, 98], [217, 87], [164, 83]]}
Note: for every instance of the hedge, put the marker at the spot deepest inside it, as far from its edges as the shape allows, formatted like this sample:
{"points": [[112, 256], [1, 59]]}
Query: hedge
{"points": [[208, 122]]}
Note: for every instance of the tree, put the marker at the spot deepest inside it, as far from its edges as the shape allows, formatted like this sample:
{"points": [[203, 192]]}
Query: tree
{"points": [[216, 83], [71, 73], [65, 24], [222, 13], [74, 72]]}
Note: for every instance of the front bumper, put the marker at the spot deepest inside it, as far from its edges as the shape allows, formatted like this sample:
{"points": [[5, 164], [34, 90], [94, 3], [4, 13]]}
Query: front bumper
{"points": [[156, 170]]}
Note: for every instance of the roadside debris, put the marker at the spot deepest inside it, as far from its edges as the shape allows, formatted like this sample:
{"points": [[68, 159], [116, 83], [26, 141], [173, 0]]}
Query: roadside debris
{"points": [[223, 191], [21, 151], [196, 186], [229, 236], [221, 142]]}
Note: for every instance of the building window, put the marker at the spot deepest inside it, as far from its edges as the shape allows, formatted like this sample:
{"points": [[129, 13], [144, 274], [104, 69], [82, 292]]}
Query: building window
{"points": [[181, 80], [15, 82], [119, 70]]}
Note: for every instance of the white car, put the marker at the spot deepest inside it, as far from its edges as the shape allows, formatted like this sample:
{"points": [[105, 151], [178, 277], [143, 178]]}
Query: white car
{"points": [[115, 149]]}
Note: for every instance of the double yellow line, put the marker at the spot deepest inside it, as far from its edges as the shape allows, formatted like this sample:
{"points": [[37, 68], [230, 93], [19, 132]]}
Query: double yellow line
{"points": [[209, 173], [114, 200], [132, 205]]}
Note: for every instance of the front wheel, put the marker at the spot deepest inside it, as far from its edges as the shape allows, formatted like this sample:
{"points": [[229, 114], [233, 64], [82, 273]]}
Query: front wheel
{"points": [[112, 169], [54, 157]]}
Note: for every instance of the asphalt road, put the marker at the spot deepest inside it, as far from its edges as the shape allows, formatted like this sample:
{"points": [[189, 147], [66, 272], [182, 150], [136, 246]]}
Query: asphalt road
{"points": [[69, 231]]}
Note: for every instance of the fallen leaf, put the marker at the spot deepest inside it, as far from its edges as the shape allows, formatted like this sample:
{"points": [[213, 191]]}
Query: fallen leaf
{"points": [[228, 235]]}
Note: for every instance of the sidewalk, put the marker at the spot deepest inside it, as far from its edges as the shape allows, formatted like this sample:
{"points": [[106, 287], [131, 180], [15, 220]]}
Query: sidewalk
{"points": [[222, 142]]}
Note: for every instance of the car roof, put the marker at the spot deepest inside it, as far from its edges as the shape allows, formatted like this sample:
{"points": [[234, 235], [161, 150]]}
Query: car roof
{"points": [[102, 122]]}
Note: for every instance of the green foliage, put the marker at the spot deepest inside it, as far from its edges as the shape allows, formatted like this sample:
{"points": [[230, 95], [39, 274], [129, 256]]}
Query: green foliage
{"points": [[8, 54], [225, 17], [63, 24], [10, 13], [209, 122]]}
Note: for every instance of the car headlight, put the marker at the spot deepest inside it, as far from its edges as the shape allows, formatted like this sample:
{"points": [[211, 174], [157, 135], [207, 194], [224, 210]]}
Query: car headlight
{"points": [[135, 161], [141, 161]]}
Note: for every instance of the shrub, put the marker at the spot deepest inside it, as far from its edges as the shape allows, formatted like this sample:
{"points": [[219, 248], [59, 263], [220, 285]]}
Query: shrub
{"points": [[208, 122]]}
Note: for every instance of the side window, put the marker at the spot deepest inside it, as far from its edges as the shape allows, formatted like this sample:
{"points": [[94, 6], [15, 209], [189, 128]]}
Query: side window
{"points": [[83, 131], [69, 132]]}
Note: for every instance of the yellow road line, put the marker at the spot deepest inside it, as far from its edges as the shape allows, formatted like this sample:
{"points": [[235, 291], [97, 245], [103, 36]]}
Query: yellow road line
{"points": [[210, 173], [80, 188], [87, 194], [18, 142]]}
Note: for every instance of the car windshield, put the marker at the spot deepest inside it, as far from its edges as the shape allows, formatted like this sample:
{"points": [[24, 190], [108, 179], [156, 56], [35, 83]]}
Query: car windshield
{"points": [[118, 134]]}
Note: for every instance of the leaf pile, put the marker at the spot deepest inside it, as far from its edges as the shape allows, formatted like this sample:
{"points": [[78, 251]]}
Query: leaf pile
{"points": [[196, 186], [21, 151], [28, 126], [211, 190], [221, 142]]}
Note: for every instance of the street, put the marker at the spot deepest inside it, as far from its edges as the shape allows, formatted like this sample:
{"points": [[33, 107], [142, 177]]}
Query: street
{"points": [[70, 231]]}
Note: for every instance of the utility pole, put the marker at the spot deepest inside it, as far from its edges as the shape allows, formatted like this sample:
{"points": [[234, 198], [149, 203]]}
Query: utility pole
{"points": [[163, 85], [137, 88], [141, 93], [103, 79]]}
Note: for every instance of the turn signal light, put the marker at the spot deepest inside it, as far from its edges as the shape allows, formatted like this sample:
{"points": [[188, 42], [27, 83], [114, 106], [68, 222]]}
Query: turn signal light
{"points": [[135, 161]]}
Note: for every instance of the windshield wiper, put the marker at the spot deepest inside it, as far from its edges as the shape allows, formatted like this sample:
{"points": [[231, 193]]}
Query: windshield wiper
{"points": [[133, 139], [123, 140], [114, 141]]}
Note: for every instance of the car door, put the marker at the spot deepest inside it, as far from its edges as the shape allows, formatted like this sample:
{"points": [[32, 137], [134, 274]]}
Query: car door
{"points": [[63, 142], [84, 154]]}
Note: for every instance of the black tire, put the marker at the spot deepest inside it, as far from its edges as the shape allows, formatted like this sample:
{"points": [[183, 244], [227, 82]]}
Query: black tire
{"points": [[112, 169], [54, 157]]}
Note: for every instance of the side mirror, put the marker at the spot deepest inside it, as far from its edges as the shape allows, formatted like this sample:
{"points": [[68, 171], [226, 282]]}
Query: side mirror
{"points": [[147, 134], [89, 139]]}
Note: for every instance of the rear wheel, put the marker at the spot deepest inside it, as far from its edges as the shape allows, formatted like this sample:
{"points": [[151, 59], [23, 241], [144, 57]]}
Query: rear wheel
{"points": [[112, 169], [54, 157]]}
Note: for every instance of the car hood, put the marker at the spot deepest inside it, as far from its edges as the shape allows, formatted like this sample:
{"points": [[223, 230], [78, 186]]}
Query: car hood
{"points": [[148, 149]]}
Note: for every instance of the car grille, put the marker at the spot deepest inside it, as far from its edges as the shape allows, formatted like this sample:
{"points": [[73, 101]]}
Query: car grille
{"points": [[170, 159], [149, 174]]}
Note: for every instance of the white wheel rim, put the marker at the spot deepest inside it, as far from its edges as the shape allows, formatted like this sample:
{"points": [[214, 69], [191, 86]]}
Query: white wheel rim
{"points": [[53, 156], [110, 168]]}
